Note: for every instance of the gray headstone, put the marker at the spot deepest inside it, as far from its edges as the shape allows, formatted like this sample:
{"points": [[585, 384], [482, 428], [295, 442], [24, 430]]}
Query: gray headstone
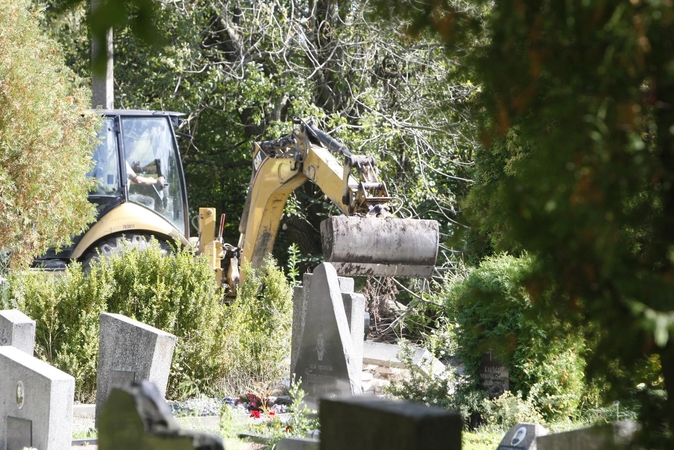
{"points": [[297, 444], [131, 351], [368, 423], [326, 362], [522, 437], [17, 330], [494, 376], [299, 315], [614, 436], [346, 286], [354, 308], [138, 417], [36, 402]]}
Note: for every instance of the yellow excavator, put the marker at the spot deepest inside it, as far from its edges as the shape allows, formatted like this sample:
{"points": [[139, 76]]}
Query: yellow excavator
{"points": [[141, 194]]}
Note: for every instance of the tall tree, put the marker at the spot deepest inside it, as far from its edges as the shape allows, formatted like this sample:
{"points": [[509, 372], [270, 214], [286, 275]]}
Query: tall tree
{"points": [[43, 202], [577, 169]]}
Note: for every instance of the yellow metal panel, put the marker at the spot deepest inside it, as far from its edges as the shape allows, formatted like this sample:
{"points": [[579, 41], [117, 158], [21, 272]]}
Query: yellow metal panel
{"points": [[273, 183], [127, 218]]}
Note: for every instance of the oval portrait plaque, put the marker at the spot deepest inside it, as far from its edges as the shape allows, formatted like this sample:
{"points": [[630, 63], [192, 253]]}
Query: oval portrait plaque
{"points": [[19, 394]]}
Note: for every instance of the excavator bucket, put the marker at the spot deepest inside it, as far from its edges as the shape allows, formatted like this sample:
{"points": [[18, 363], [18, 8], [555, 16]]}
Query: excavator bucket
{"points": [[370, 246]]}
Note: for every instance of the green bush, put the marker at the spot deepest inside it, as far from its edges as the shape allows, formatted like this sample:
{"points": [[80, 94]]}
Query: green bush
{"points": [[66, 310], [491, 309], [258, 331], [175, 293], [45, 139]]}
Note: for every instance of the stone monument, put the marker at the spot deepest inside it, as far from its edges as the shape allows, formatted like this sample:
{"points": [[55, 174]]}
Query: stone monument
{"points": [[328, 363], [367, 423], [131, 351], [138, 417], [522, 437], [494, 376], [36, 403], [17, 330]]}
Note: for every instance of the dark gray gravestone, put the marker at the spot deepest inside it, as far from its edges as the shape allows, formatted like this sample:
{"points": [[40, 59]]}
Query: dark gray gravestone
{"points": [[522, 437], [130, 350], [367, 423], [138, 417], [19, 433], [494, 377], [326, 362]]}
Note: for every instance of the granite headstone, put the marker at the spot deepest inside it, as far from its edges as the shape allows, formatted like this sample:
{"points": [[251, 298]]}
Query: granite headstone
{"points": [[522, 437], [17, 330], [138, 417], [326, 362], [36, 403], [494, 376], [131, 351], [368, 423]]}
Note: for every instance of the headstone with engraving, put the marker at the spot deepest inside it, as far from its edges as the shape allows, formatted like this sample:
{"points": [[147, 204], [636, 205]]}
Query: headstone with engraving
{"points": [[326, 362], [36, 403], [138, 417], [494, 377], [522, 437], [17, 330], [368, 423], [131, 351], [354, 314]]}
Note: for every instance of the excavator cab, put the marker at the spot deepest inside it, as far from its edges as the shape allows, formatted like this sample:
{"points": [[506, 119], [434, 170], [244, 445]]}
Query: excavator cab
{"points": [[140, 187]]}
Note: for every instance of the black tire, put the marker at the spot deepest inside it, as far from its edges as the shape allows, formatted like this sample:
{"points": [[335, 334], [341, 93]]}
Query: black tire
{"points": [[116, 244]]}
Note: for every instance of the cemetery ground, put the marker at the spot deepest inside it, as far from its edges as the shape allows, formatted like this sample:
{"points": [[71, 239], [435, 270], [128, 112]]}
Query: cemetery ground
{"points": [[218, 364]]}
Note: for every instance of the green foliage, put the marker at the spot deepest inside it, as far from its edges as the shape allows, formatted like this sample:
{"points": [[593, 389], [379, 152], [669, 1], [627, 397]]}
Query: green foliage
{"points": [[241, 70], [66, 310], [175, 293], [299, 423], [450, 391], [493, 312], [419, 387], [577, 168], [257, 330], [43, 201]]}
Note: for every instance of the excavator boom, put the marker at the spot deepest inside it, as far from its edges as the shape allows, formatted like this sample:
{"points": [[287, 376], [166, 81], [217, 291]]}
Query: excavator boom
{"points": [[366, 240]]}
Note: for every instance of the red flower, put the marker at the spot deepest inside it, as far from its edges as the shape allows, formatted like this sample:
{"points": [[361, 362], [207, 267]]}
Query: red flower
{"points": [[289, 429], [272, 413], [255, 414]]}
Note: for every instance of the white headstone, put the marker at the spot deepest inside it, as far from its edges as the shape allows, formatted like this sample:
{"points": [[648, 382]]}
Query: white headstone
{"points": [[17, 330], [36, 402]]}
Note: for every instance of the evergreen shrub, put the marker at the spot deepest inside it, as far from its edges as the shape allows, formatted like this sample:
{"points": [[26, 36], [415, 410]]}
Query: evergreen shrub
{"points": [[175, 293], [491, 308], [258, 327]]}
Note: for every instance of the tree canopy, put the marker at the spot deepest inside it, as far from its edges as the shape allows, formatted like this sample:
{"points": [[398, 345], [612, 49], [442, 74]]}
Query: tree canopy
{"points": [[45, 140], [577, 167]]}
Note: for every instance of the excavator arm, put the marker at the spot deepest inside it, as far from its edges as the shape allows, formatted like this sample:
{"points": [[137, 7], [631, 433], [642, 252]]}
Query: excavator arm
{"points": [[366, 240]]}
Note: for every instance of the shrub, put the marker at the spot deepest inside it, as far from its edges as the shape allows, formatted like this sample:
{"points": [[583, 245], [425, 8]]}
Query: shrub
{"points": [[66, 310], [43, 201], [258, 331], [492, 309], [175, 293]]}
